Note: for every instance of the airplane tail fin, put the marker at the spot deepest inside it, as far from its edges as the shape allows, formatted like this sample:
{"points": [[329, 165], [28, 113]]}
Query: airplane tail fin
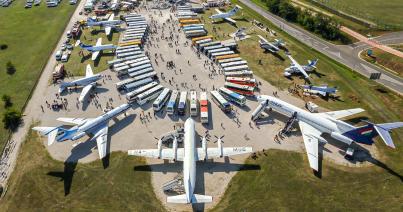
{"points": [[366, 133], [313, 63], [196, 198], [51, 132], [63, 86]]}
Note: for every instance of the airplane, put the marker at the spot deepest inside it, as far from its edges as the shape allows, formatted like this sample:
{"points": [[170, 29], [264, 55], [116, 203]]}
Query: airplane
{"points": [[189, 155], [96, 128], [322, 90], [272, 47], [297, 68], [226, 16], [97, 48], [88, 82], [313, 125], [109, 24]]}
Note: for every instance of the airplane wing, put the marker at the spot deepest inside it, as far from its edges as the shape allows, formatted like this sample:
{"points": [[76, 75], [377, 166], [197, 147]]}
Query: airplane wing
{"points": [[230, 20], [111, 17], [76, 121], [298, 66], [99, 42], [88, 71], [227, 151], [108, 30], [102, 141], [343, 113], [262, 38], [166, 154], [85, 91], [94, 55], [218, 11], [310, 136]]}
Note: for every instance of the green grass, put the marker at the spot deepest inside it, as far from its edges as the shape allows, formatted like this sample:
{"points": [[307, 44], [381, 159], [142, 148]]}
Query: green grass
{"points": [[285, 183], [77, 64], [31, 35], [378, 11], [386, 60], [93, 188]]}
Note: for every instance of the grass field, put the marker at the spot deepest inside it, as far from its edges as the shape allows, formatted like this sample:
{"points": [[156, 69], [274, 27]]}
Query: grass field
{"points": [[378, 11], [386, 60], [285, 183], [31, 35], [77, 64], [34, 185]]}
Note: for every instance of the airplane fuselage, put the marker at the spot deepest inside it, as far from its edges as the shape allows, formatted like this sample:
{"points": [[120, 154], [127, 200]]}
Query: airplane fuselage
{"points": [[293, 69], [323, 123], [104, 23], [80, 82], [189, 160], [99, 48], [80, 130]]}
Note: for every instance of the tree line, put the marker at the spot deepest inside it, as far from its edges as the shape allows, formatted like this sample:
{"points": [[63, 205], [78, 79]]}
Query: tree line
{"points": [[318, 23]]}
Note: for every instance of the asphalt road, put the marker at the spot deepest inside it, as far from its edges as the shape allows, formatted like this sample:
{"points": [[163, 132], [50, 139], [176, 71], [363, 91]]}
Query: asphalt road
{"points": [[345, 54]]}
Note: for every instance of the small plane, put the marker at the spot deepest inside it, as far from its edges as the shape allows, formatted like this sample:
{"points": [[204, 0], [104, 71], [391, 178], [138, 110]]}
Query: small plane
{"points": [[272, 47], [297, 68], [96, 128], [97, 48], [313, 125], [322, 90], [189, 155], [226, 16], [88, 82], [109, 24]]}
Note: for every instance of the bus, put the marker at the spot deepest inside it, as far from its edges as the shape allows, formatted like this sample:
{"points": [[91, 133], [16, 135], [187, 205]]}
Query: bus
{"points": [[242, 81], [146, 75], [203, 108], [201, 38], [232, 96], [236, 68], [182, 103], [132, 95], [172, 102], [149, 95], [130, 43], [243, 73], [159, 103], [195, 33], [193, 103], [220, 101], [136, 84], [226, 56], [208, 48], [235, 63], [241, 89], [212, 51], [217, 54], [212, 43], [229, 60], [140, 72]]}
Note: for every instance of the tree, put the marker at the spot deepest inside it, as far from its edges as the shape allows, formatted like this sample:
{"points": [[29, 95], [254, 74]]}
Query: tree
{"points": [[288, 12], [273, 6], [11, 119], [10, 68], [3, 46], [7, 100]]}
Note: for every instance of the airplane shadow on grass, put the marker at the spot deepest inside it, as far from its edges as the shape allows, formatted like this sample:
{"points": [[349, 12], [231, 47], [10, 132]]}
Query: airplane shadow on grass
{"points": [[83, 149], [202, 167]]}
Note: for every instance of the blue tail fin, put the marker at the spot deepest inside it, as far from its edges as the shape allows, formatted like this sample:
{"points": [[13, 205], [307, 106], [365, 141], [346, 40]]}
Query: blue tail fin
{"points": [[313, 62]]}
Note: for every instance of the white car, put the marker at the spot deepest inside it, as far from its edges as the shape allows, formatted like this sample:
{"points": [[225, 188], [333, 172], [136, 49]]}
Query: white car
{"points": [[65, 57], [58, 55], [63, 47]]}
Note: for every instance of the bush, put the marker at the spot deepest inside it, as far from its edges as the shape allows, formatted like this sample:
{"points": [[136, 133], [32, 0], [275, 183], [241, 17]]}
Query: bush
{"points": [[7, 100], [10, 68], [3, 46], [11, 119]]}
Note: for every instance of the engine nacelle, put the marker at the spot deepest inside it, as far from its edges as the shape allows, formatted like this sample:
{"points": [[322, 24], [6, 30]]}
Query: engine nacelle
{"points": [[204, 147], [78, 136], [220, 148], [341, 138], [159, 146], [175, 148]]}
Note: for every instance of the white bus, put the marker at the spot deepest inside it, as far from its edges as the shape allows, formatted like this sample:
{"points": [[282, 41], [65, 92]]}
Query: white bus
{"points": [[146, 75], [182, 103], [203, 108], [241, 89], [243, 73], [140, 72], [130, 70], [172, 102], [149, 95], [227, 60], [193, 103], [159, 103], [236, 68], [235, 63], [136, 84], [128, 54], [232, 96], [210, 52], [132, 95], [214, 55], [208, 48], [220, 101]]}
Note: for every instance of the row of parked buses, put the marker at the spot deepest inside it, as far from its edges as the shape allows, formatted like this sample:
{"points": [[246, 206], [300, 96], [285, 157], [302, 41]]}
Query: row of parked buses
{"points": [[180, 106]]}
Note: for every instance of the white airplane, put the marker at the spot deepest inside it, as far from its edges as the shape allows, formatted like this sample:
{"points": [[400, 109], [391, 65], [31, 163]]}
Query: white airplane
{"points": [[109, 24], [88, 82], [297, 68], [96, 128], [189, 155], [313, 125], [97, 48], [322, 90], [226, 16], [272, 47]]}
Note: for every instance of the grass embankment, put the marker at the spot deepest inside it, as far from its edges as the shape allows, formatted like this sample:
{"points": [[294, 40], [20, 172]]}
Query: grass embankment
{"points": [[392, 63], [77, 64], [34, 185], [31, 35], [286, 181]]}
